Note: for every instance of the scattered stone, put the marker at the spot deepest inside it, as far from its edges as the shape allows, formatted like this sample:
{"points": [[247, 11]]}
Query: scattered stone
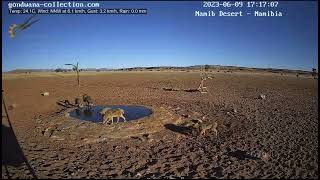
{"points": [[186, 115], [41, 146], [48, 132], [58, 138], [66, 114], [151, 140], [262, 96], [177, 108], [142, 138], [45, 93], [83, 126], [53, 155], [196, 114], [104, 166], [265, 156], [33, 145]]}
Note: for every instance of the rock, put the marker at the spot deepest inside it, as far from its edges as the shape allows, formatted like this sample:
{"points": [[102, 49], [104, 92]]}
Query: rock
{"points": [[66, 114], [151, 140], [235, 110], [53, 155], [33, 145], [196, 114], [48, 132], [138, 138], [177, 108], [104, 166], [262, 96], [45, 93], [186, 115], [100, 140], [265, 156], [138, 175], [91, 173], [204, 117], [64, 127], [58, 138]]}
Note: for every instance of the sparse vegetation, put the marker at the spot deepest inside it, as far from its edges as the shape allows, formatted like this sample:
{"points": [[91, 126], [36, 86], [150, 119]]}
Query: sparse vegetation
{"points": [[206, 67], [61, 70]]}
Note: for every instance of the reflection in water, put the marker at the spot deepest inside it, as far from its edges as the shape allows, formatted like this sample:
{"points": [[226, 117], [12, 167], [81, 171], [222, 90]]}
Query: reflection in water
{"points": [[130, 113], [87, 112], [78, 111]]}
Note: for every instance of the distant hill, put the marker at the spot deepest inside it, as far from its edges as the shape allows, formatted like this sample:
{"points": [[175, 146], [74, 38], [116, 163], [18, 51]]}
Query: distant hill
{"points": [[30, 70], [180, 68], [216, 68], [54, 70]]}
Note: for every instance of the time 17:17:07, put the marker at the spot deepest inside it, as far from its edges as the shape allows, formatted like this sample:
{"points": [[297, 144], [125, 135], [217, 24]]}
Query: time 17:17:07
{"points": [[240, 4]]}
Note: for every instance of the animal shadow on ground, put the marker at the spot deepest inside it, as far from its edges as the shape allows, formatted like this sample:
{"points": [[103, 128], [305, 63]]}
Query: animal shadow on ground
{"points": [[12, 153], [65, 104], [11, 150], [179, 129], [186, 90], [242, 155]]}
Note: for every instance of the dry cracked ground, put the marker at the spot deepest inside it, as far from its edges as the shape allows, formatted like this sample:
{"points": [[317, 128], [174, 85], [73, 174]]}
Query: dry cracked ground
{"points": [[275, 137]]}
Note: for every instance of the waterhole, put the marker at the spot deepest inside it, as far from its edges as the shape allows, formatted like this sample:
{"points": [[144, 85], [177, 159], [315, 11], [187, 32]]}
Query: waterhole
{"points": [[130, 112]]}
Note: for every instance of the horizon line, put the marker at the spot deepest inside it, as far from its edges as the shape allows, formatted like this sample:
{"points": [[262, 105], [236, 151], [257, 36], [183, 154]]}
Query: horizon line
{"points": [[164, 66]]}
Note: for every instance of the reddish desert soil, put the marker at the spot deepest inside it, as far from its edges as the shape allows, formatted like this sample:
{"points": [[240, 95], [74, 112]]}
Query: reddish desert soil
{"points": [[276, 137]]}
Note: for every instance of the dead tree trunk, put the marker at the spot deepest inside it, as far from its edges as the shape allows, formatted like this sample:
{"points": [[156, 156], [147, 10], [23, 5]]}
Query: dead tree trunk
{"points": [[78, 78]]}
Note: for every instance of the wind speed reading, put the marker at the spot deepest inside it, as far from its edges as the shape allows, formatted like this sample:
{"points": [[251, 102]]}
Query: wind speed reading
{"points": [[57, 7], [240, 8], [78, 11]]}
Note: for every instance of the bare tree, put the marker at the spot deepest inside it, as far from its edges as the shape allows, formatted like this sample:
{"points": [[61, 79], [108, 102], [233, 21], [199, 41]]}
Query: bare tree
{"points": [[13, 27], [76, 68]]}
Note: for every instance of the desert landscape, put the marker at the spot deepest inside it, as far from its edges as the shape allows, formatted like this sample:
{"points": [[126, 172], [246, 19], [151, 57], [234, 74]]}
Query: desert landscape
{"points": [[267, 125]]}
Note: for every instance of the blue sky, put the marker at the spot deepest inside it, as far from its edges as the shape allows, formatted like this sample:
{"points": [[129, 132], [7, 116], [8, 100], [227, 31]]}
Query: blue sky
{"points": [[169, 35]]}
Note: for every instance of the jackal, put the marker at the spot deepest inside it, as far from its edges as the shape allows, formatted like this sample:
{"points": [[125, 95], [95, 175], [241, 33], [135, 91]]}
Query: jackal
{"points": [[103, 111], [111, 113], [205, 126]]}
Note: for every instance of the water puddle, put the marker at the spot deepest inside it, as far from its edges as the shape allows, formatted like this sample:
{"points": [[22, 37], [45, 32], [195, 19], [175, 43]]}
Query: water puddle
{"points": [[130, 113]]}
